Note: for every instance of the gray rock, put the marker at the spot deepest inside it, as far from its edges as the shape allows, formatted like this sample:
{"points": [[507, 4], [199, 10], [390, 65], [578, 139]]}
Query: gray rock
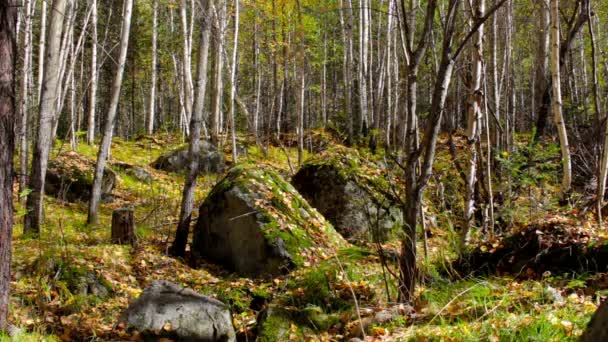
{"points": [[597, 330], [141, 174], [251, 223], [350, 206], [70, 177], [165, 309], [230, 233], [211, 160]]}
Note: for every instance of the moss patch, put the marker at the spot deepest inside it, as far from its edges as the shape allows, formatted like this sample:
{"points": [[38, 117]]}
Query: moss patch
{"points": [[284, 213]]}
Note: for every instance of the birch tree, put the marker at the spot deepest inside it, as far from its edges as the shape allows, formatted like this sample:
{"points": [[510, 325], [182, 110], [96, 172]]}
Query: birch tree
{"points": [[93, 91], [556, 106], [151, 112], [235, 50], [419, 164], [25, 100], [218, 70], [106, 140], [474, 118], [185, 217], [47, 106]]}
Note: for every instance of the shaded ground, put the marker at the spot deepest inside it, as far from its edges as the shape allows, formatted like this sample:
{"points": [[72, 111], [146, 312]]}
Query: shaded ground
{"points": [[494, 307]]}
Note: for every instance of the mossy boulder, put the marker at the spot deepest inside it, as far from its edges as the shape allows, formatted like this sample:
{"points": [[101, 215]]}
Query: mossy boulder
{"points": [[255, 223], [356, 195], [210, 161], [70, 177]]}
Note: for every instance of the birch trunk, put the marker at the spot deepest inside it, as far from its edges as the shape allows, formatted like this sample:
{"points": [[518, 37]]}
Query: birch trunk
{"points": [[41, 47], [473, 122], [185, 217], [218, 63], [233, 81], [106, 140], [48, 101], [603, 165], [25, 91], [557, 102], [347, 68], [93, 90], [151, 113], [186, 62]]}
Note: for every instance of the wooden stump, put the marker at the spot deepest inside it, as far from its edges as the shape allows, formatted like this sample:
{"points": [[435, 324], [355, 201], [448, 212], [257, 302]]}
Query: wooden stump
{"points": [[123, 227]]}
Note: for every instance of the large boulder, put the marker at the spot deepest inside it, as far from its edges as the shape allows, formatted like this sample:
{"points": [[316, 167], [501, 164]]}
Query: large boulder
{"points": [[354, 194], [70, 177], [256, 223], [211, 160], [597, 330], [167, 310]]}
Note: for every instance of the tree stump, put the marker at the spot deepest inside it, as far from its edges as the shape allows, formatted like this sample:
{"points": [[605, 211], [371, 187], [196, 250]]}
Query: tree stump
{"points": [[123, 227]]}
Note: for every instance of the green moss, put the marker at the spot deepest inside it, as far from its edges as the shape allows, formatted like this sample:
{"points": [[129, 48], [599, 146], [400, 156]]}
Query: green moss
{"points": [[283, 212], [276, 327]]}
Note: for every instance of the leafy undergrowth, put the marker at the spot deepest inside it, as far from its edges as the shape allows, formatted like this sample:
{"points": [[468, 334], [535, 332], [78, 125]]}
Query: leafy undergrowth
{"points": [[556, 245], [72, 284]]}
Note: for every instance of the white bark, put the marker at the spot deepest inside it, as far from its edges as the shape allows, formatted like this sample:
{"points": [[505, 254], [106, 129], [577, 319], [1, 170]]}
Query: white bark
{"points": [[24, 103], [93, 90], [181, 237], [106, 140], [473, 121], [48, 100], [151, 113], [557, 101], [233, 81], [41, 47]]}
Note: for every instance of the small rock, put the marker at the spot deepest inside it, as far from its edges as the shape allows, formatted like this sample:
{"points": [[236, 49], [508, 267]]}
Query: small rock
{"points": [[167, 310], [210, 160]]}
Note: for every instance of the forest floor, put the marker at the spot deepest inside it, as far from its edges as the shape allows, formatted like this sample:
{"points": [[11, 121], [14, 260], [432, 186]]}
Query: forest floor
{"points": [[48, 306]]}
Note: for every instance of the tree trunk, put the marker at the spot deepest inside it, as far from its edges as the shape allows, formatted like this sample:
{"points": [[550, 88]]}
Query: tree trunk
{"points": [[185, 217], [603, 160], [123, 227], [218, 64], [557, 102], [24, 101], [473, 123], [106, 140], [8, 112], [151, 113], [186, 61], [233, 81], [563, 50], [41, 47], [48, 100], [93, 90]]}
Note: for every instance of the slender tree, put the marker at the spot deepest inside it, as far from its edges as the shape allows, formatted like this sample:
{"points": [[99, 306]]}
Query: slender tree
{"points": [[235, 50], [185, 217], [93, 90], [48, 101], [25, 100], [474, 119], [152, 110], [106, 140], [557, 101]]}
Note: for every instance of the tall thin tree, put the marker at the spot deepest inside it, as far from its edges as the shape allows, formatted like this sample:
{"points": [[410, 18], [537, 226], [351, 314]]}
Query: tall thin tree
{"points": [[106, 140], [185, 217], [48, 100]]}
